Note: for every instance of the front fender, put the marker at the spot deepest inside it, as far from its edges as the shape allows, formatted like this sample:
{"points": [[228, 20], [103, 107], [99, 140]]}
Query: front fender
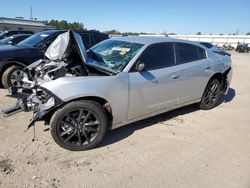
{"points": [[113, 89]]}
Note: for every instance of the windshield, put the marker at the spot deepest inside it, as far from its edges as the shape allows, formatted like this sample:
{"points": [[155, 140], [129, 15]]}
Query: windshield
{"points": [[33, 40], [114, 54]]}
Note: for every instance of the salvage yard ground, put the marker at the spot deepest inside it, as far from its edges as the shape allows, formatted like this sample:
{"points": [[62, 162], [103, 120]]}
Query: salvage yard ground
{"points": [[183, 148]]}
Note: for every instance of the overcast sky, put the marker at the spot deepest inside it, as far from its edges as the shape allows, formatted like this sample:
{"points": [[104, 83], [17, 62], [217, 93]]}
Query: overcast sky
{"points": [[157, 16]]}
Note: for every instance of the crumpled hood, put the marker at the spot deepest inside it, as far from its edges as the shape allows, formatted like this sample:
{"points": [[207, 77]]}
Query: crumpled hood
{"points": [[59, 49]]}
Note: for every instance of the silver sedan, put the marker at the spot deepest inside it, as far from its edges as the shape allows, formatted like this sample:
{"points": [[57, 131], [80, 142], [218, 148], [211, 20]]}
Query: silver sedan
{"points": [[127, 79]]}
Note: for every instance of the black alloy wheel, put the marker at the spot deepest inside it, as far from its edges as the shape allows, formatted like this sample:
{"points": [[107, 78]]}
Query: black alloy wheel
{"points": [[79, 125], [211, 95]]}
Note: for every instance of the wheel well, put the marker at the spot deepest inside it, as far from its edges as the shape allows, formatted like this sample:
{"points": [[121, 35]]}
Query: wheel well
{"points": [[8, 65], [218, 76], [105, 104], [222, 78]]}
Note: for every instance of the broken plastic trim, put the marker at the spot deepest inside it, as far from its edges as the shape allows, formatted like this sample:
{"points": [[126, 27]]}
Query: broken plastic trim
{"points": [[40, 114], [22, 105]]}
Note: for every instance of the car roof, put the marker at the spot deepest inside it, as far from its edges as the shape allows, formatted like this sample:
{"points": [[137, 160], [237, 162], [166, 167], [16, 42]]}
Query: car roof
{"points": [[150, 40]]}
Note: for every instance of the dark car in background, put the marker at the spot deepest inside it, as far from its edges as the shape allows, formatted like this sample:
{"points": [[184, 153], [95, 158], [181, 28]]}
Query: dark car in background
{"points": [[9, 33], [14, 39], [242, 48], [13, 59]]}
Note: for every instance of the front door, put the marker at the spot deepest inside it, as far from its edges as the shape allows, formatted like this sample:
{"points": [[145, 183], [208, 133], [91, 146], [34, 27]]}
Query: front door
{"points": [[155, 88]]}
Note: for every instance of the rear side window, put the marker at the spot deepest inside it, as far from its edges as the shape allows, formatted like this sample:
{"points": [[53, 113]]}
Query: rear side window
{"points": [[208, 45], [187, 53], [201, 52], [158, 56]]}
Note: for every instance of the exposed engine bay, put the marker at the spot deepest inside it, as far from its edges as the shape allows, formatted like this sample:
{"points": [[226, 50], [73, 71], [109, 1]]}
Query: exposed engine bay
{"points": [[66, 56]]}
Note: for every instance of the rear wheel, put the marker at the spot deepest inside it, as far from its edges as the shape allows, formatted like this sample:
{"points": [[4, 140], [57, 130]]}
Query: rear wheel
{"points": [[79, 125], [12, 77], [211, 95]]}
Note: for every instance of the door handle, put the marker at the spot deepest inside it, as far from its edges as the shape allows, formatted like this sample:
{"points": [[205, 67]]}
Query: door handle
{"points": [[207, 67], [175, 76]]}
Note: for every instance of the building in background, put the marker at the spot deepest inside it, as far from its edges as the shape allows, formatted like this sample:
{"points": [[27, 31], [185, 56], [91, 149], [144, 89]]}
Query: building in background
{"points": [[20, 23]]}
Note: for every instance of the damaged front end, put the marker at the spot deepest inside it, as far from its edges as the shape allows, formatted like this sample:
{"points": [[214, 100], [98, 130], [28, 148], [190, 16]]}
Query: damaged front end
{"points": [[66, 56], [41, 102]]}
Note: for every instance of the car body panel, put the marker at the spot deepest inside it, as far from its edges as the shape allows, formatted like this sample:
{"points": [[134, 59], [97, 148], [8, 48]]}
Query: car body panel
{"points": [[136, 95], [152, 90], [194, 77], [133, 96], [114, 89]]}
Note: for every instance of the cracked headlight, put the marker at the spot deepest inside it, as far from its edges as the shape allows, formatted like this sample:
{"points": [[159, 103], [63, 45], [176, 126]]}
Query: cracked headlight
{"points": [[43, 99], [39, 100]]}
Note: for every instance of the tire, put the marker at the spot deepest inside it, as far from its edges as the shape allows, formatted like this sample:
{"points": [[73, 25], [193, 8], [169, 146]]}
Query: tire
{"points": [[11, 74], [211, 95], [70, 131]]}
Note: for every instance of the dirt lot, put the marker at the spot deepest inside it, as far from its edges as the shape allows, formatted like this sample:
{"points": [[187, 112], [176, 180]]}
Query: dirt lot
{"points": [[182, 148]]}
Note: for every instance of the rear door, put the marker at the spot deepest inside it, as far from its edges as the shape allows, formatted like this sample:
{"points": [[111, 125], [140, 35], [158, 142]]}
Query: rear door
{"points": [[155, 88], [195, 69]]}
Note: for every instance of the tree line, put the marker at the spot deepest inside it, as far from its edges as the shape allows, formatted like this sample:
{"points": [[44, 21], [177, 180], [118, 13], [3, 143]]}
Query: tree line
{"points": [[63, 24]]}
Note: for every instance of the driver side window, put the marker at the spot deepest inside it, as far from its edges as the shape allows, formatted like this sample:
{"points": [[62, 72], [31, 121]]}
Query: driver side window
{"points": [[158, 56]]}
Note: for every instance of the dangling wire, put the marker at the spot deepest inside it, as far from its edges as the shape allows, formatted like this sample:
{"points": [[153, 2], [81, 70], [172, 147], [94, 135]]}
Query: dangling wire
{"points": [[34, 132]]}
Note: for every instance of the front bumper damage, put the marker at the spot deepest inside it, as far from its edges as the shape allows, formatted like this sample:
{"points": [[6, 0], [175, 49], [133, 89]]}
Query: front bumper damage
{"points": [[41, 102], [66, 56]]}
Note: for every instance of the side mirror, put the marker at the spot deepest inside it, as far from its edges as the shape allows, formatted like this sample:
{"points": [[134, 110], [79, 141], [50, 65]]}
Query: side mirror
{"points": [[139, 66]]}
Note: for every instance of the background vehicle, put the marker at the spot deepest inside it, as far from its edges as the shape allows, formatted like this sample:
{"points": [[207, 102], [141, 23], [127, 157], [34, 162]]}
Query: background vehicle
{"points": [[122, 78], [242, 48], [14, 58], [9, 33], [214, 48], [14, 39]]}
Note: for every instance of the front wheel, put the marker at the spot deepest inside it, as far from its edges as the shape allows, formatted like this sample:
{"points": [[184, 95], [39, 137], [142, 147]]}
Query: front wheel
{"points": [[79, 125], [211, 95]]}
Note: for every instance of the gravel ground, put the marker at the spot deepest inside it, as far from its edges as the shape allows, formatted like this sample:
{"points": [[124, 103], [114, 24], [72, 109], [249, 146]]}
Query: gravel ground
{"points": [[182, 148]]}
